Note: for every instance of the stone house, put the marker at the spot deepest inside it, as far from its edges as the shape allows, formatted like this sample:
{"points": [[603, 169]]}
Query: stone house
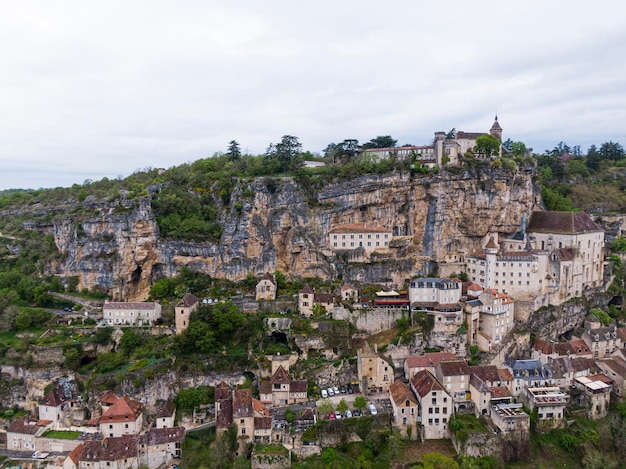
{"points": [[545, 351], [405, 408], [160, 446], [375, 374], [435, 406], [368, 238], [615, 368], [349, 294], [566, 369], [166, 415], [56, 406], [183, 310], [594, 393], [22, 434], [428, 361], [120, 452], [602, 341], [307, 299], [530, 373], [280, 390], [550, 403], [509, 418], [266, 288], [487, 388], [124, 417], [131, 314], [496, 318], [455, 377]]}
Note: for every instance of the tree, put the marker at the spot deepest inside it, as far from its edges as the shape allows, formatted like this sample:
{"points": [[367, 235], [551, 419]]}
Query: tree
{"points": [[325, 407], [593, 159], [382, 141], [451, 134], [328, 456], [290, 416], [285, 152], [602, 316], [130, 341], [234, 151], [612, 151], [438, 461], [487, 146], [342, 406], [518, 148], [360, 403]]}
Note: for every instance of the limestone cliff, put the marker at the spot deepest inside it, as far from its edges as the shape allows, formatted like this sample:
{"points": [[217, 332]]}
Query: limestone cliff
{"points": [[116, 245]]}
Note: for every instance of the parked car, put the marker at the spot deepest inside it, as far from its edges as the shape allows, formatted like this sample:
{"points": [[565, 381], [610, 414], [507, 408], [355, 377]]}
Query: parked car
{"points": [[350, 390], [342, 389], [357, 413], [331, 392], [372, 409], [336, 389], [337, 414], [324, 394], [331, 415], [348, 414]]}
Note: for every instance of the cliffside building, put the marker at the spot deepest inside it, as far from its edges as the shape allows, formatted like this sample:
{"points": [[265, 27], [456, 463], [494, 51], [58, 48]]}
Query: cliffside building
{"points": [[307, 299], [436, 407], [556, 257], [280, 390], [374, 372], [266, 288], [131, 314], [368, 238], [183, 311]]}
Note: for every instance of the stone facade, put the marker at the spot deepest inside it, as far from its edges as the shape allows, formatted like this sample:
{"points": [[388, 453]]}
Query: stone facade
{"points": [[131, 314], [183, 311]]}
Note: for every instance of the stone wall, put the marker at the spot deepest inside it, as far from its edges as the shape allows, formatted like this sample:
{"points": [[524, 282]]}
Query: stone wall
{"points": [[371, 320]]}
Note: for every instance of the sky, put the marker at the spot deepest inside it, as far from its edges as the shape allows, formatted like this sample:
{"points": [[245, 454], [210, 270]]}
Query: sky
{"points": [[103, 88]]}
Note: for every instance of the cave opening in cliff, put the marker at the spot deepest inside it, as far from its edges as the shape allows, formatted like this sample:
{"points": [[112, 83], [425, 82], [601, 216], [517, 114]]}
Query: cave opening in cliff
{"points": [[279, 338], [136, 275]]}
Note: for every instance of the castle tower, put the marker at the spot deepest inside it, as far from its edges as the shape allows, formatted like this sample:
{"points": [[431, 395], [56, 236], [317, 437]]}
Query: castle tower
{"points": [[496, 130], [491, 251]]}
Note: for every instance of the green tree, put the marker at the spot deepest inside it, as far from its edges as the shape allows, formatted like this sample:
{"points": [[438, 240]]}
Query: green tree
{"points": [[342, 406], [328, 456], [382, 141], [602, 316], [593, 159], [234, 151], [518, 148], [360, 403], [290, 415], [612, 151], [130, 341], [438, 461], [487, 146], [325, 407], [103, 335]]}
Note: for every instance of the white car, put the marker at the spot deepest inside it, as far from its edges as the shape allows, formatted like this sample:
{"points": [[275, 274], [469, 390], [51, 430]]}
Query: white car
{"points": [[336, 390], [348, 414], [331, 392], [324, 394], [372, 409]]}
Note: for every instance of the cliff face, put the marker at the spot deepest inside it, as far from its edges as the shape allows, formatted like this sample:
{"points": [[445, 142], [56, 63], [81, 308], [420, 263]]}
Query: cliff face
{"points": [[117, 246]]}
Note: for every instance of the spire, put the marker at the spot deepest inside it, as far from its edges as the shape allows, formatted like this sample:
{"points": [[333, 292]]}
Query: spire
{"points": [[496, 130]]}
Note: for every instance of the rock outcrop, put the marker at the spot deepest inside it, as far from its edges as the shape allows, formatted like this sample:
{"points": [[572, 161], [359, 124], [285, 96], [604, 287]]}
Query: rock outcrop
{"points": [[116, 245]]}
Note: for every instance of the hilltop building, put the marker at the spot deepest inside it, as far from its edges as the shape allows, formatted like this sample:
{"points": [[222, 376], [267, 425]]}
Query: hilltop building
{"points": [[266, 288], [368, 238], [307, 299], [131, 314]]}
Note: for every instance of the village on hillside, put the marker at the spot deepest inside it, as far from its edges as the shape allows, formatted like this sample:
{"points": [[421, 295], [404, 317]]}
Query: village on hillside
{"points": [[475, 357]]}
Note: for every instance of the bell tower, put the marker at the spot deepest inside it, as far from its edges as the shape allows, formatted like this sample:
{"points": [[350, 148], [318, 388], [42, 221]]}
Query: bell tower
{"points": [[496, 130]]}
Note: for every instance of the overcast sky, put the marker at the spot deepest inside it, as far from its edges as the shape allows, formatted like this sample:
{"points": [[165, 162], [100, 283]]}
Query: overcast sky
{"points": [[96, 88]]}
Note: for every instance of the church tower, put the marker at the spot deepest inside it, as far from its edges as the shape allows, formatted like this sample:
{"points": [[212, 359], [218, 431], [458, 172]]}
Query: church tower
{"points": [[496, 130], [491, 255]]}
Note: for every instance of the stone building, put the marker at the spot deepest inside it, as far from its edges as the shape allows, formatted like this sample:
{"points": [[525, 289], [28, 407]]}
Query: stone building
{"points": [[374, 372], [550, 403], [455, 376], [496, 318], [556, 257], [266, 288], [593, 393], [131, 314], [22, 434], [280, 390], [436, 407], [183, 310], [124, 417], [369, 238], [308, 298], [405, 408], [428, 361]]}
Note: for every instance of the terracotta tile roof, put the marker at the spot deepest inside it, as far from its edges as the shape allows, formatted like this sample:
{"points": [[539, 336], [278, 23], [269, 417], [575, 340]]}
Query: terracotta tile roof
{"points": [[109, 398], [222, 391], [24, 426], [308, 414], [298, 385], [500, 392], [259, 408], [561, 222], [431, 359], [424, 383], [242, 403], [188, 300], [572, 347], [543, 346], [268, 276], [602, 378], [54, 398], [454, 368], [505, 374], [616, 364], [124, 410], [280, 376], [491, 244], [265, 387], [485, 373], [138, 305], [224, 418], [168, 410], [308, 290], [566, 254], [359, 228], [400, 393], [75, 453], [323, 298], [347, 287], [262, 423], [110, 449], [160, 436]]}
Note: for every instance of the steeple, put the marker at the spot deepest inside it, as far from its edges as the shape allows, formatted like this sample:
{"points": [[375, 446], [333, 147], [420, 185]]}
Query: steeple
{"points": [[496, 130]]}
